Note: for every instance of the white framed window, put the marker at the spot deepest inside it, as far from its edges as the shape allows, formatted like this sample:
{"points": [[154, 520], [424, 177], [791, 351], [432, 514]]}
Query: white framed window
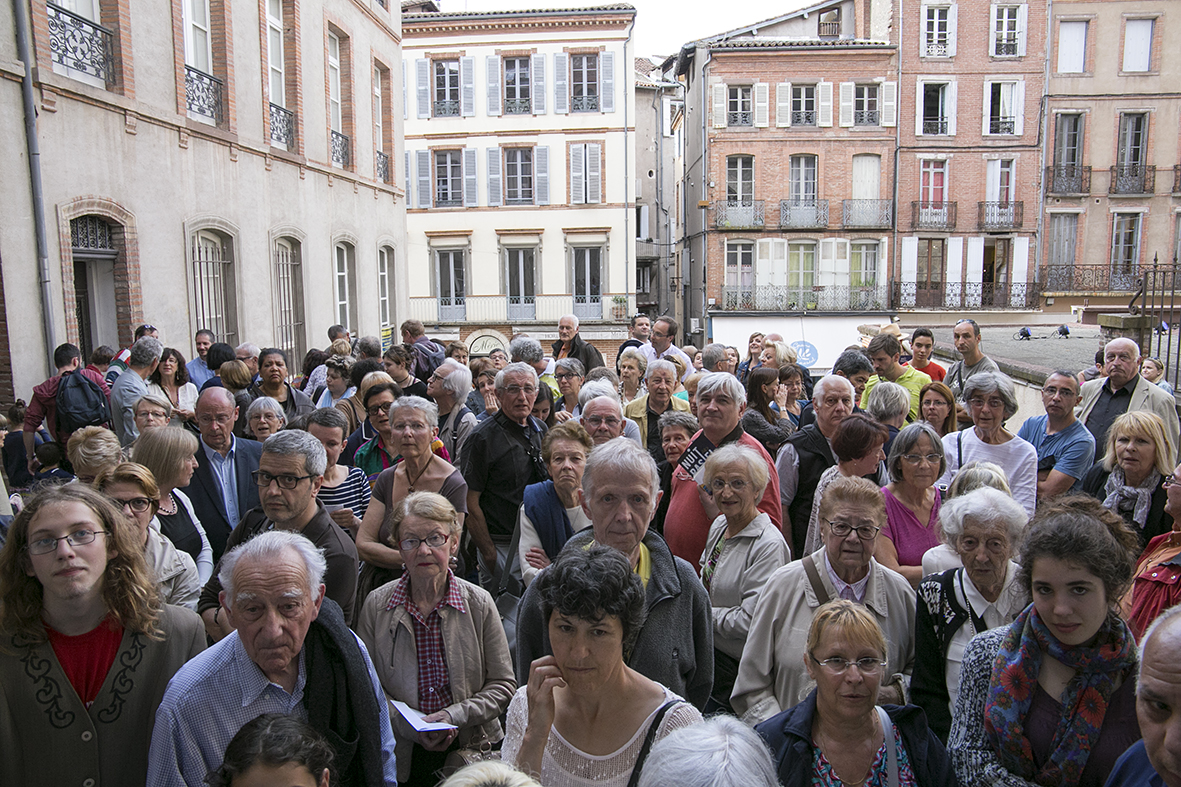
{"points": [[1004, 108], [740, 180], [739, 106], [446, 98], [586, 173], [198, 36], [803, 105], [385, 281], [588, 282], [802, 179], [1009, 23], [1138, 45], [211, 255], [518, 176], [933, 183], [276, 78], [863, 263], [1125, 243], [937, 104], [344, 281], [520, 282], [448, 178], [1072, 47], [801, 273], [288, 282], [378, 109], [518, 85], [939, 30], [451, 283], [584, 83], [866, 111], [932, 263], [740, 261], [335, 115]]}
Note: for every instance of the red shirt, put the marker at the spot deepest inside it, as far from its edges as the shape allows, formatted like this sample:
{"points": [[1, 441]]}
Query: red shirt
{"points": [[434, 681], [932, 370], [88, 657]]}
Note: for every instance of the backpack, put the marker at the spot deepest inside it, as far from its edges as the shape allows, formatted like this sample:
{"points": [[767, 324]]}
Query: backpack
{"points": [[80, 402], [428, 356]]}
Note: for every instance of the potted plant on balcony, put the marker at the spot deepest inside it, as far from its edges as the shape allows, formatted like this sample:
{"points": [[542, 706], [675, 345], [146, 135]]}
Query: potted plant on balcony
{"points": [[619, 307]]}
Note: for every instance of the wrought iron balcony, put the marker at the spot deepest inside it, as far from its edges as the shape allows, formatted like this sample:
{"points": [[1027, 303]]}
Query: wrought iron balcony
{"points": [[1000, 215], [448, 199], [999, 125], [866, 117], [1093, 279], [966, 295], [79, 44], [803, 117], [1177, 178], [803, 214], [585, 104], [739, 214], [517, 106], [1068, 179], [342, 153], [282, 126], [934, 127], [740, 119], [857, 297], [867, 213], [381, 166], [1132, 179], [203, 94], [828, 29], [932, 215], [1006, 47], [445, 109], [522, 307], [936, 48]]}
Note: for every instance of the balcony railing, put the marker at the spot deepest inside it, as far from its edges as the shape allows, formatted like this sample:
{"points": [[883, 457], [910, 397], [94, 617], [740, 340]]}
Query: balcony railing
{"points": [[517, 106], [381, 166], [585, 104], [342, 154], [966, 295], [1068, 179], [740, 119], [1006, 47], [1000, 215], [282, 127], [79, 44], [1132, 179], [932, 215], [828, 29], [588, 307], [1177, 178], [1093, 279], [203, 94], [935, 127], [936, 48], [867, 213], [739, 214], [803, 117], [803, 214], [522, 307], [445, 109], [824, 298], [866, 117], [1000, 125]]}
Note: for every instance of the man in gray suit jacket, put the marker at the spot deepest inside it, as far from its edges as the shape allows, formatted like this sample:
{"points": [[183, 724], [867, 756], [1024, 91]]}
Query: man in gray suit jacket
{"points": [[1123, 390]]}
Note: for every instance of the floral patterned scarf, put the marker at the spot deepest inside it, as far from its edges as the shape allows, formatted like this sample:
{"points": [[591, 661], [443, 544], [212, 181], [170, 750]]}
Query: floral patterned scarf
{"points": [[1100, 667]]}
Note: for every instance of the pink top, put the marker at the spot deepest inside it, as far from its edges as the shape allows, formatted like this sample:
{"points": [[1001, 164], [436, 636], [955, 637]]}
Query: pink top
{"points": [[911, 538]]}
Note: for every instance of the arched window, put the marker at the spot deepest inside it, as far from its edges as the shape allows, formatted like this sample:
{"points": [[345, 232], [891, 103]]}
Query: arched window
{"points": [[215, 299], [290, 330]]}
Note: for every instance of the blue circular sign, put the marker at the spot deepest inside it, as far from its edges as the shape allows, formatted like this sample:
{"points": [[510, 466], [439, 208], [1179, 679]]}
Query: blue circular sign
{"points": [[806, 353]]}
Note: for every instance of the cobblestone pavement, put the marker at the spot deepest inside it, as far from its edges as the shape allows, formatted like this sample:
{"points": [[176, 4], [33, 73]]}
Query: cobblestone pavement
{"points": [[1036, 357]]}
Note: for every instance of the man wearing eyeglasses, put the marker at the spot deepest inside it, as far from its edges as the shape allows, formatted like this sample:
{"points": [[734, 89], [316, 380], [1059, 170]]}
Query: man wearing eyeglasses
{"points": [[665, 331], [1065, 449], [289, 475]]}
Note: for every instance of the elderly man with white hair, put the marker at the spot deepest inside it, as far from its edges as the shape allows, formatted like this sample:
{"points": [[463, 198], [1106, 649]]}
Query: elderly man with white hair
{"points": [[449, 386], [605, 420], [661, 379], [571, 345], [291, 653], [720, 402]]}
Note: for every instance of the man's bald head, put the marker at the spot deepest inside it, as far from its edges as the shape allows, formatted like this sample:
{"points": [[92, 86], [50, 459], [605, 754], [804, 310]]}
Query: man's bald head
{"points": [[1158, 696], [1121, 361]]}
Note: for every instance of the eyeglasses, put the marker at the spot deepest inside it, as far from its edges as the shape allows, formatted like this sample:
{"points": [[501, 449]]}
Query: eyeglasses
{"points": [[136, 504], [433, 541], [413, 426], [1051, 392], [284, 481], [839, 666], [564, 375], [993, 402], [516, 390], [659, 335], [379, 409], [43, 546], [736, 485], [843, 529], [914, 459], [221, 420], [598, 420], [436, 377]]}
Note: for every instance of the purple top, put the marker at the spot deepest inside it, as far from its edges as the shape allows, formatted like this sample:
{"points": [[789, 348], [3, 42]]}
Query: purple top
{"points": [[911, 538], [1119, 731]]}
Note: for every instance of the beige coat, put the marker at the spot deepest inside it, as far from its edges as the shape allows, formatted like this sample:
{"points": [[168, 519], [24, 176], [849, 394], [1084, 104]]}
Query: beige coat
{"points": [[771, 675], [175, 571], [478, 665], [1145, 396], [637, 410]]}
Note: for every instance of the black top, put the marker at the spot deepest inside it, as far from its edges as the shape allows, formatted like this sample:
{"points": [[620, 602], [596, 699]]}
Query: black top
{"points": [[1157, 521], [500, 459], [180, 530], [1109, 406], [655, 441]]}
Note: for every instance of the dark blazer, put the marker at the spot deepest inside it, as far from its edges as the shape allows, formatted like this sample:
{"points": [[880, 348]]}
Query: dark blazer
{"points": [[1158, 521], [583, 351], [205, 493]]}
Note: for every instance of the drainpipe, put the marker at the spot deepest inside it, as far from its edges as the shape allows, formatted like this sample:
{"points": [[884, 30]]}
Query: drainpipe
{"points": [[629, 68], [34, 148]]}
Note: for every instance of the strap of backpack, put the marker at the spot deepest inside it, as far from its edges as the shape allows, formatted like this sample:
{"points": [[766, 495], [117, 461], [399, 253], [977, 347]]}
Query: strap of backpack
{"points": [[814, 578]]}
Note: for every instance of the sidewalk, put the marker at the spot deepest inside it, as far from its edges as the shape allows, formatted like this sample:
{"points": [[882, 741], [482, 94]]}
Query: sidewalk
{"points": [[1031, 360]]}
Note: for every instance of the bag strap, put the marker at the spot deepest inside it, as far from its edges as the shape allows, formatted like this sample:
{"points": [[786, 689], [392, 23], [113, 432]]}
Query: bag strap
{"points": [[649, 739], [814, 578], [959, 450], [891, 747]]}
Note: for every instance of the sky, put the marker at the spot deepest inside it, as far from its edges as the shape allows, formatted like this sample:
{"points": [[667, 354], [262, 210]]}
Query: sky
{"points": [[662, 26]]}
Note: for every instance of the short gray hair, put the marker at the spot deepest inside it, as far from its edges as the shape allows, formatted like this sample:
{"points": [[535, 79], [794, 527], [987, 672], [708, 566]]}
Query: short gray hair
{"points": [[267, 404], [269, 547], [904, 443], [146, 351], [987, 382], [726, 383], [712, 355], [293, 442], [156, 399], [429, 410], [623, 455], [887, 400], [595, 389], [1163, 621], [678, 418], [984, 506], [570, 365], [718, 752], [369, 346], [330, 418], [525, 348], [251, 348], [828, 381], [737, 454], [515, 368], [661, 365], [633, 354], [573, 317], [458, 381]]}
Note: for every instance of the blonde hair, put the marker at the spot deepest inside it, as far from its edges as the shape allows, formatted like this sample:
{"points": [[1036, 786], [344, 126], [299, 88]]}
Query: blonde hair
{"points": [[855, 622], [370, 380], [164, 452], [342, 347], [94, 448], [235, 374], [489, 773], [131, 473], [1141, 423], [975, 475]]}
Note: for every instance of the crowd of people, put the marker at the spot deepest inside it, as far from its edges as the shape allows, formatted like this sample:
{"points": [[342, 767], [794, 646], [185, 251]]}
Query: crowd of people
{"points": [[694, 566]]}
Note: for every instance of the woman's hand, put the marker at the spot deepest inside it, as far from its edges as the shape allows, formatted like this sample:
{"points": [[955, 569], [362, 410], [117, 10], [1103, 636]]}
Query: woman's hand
{"points": [[781, 399], [437, 740], [491, 403], [185, 415], [537, 558], [708, 504], [544, 677], [561, 416]]}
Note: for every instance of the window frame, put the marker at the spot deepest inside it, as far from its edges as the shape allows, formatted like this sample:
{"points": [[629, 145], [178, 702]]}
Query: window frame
{"points": [[220, 291], [523, 182], [386, 257], [335, 85], [453, 300], [867, 107], [522, 104], [585, 70], [454, 178], [1001, 35], [445, 77], [1150, 56], [736, 97], [523, 272], [931, 47], [740, 179], [591, 307], [801, 96], [858, 250], [1125, 257], [739, 272]]}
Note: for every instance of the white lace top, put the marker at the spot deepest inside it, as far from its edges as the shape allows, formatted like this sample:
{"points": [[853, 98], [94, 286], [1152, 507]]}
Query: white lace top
{"points": [[562, 765]]}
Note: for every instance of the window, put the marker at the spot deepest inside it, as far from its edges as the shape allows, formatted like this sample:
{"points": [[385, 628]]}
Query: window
{"points": [[450, 283], [643, 278], [586, 173], [205, 63], [938, 109], [738, 106], [803, 105], [81, 46], [642, 232], [385, 267], [1138, 45], [1008, 30], [1131, 173], [829, 24], [938, 38], [740, 180], [588, 283], [335, 115], [933, 181], [448, 178], [1063, 240], [801, 274], [345, 285], [802, 179], [446, 89], [275, 66], [1072, 47], [865, 105], [740, 258], [520, 279], [378, 132], [339, 116], [518, 176], [931, 260], [383, 142], [214, 291], [1003, 107], [517, 86], [1125, 244], [999, 210], [198, 40], [1067, 175], [289, 320], [584, 83], [863, 264]]}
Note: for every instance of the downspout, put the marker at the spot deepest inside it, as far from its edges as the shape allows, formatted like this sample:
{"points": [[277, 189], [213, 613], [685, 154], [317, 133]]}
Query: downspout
{"points": [[896, 246], [629, 241], [704, 185], [34, 148]]}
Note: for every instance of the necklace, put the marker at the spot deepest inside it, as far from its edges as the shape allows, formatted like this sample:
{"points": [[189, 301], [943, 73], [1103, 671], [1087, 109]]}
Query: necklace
{"points": [[410, 482], [171, 505]]}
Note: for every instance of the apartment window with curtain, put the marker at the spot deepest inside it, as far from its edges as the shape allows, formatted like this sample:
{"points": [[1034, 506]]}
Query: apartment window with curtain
{"points": [[863, 263], [739, 284], [801, 272], [1003, 108]]}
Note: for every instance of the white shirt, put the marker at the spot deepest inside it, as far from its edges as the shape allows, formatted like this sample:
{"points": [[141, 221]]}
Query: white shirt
{"points": [[650, 355]]}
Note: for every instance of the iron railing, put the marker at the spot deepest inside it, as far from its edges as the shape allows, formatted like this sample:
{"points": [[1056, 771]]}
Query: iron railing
{"points": [[935, 127], [1177, 178], [1161, 281], [803, 214], [452, 308], [203, 94], [1098, 279], [517, 106], [342, 153], [826, 298], [282, 126], [1132, 179], [522, 307], [588, 307], [584, 104], [996, 215], [867, 213], [1068, 179], [739, 214], [936, 48], [1006, 47], [932, 215], [79, 44], [740, 119], [966, 295], [444, 109], [803, 117], [828, 29], [1001, 125], [381, 166], [866, 117]]}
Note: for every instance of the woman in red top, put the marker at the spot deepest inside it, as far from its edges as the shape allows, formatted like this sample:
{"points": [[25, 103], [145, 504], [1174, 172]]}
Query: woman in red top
{"points": [[1157, 585]]}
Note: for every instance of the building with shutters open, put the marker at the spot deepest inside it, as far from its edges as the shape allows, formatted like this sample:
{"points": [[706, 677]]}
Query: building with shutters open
{"points": [[520, 167]]}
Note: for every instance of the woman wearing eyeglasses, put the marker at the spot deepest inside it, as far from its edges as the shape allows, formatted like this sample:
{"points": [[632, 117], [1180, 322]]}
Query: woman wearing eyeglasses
{"points": [[772, 675], [838, 736], [912, 501], [437, 642], [742, 550], [569, 373]]}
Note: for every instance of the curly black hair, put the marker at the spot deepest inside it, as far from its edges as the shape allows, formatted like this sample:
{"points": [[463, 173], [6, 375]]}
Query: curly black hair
{"points": [[274, 739], [592, 584]]}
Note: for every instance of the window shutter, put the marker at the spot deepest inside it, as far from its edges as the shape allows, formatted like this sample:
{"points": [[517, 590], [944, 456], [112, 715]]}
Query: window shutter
{"points": [[467, 86], [952, 96], [405, 98], [578, 174], [778, 262], [824, 104], [607, 81], [422, 80], [1022, 27], [986, 114], [924, 30], [493, 85], [918, 104], [763, 263], [841, 261], [846, 110], [719, 106], [890, 104], [424, 178], [561, 84], [538, 93], [827, 260], [992, 36], [762, 97], [494, 188], [541, 174], [594, 169], [471, 197], [1019, 108], [952, 25], [406, 176], [783, 104]]}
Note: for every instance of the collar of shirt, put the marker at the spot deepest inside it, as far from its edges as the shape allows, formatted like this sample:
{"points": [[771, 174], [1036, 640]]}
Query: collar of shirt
{"points": [[401, 595], [858, 587], [253, 682], [993, 613], [215, 456], [1127, 388]]}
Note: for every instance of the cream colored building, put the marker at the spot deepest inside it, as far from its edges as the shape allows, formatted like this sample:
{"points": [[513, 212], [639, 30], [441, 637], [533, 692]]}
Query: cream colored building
{"points": [[204, 164]]}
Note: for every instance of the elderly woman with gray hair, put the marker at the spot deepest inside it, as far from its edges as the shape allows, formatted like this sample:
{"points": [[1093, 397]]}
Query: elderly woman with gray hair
{"points": [[632, 368], [569, 374], [719, 752], [991, 400], [264, 417], [449, 386], [889, 405], [985, 528], [912, 499]]}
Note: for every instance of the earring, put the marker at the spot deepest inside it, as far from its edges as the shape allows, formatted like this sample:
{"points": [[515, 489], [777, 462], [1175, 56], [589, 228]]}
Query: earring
{"points": [[453, 562]]}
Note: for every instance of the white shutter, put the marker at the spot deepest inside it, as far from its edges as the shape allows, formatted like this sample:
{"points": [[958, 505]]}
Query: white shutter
{"points": [[594, 173], [607, 81], [494, 187], [471, 196], [541, 174], [538, 94], [992, 180], [422, 84], [918, 107], [924, 28], [405, 98], [719, 102], [1022, 28], [642, 224], [952, 31], [406, 176], [467, 86], [986, 114], [762, 97], [778, 262], [841, 262], [1072, 47], [763, 263], [1137, 45], [992, 36], [561, 84], [952, 95], [783, 104], [827, 270], [1019, 107], [493, 85], [578, 174], [824, 104], [424, 178], [846, 110], [890, 104]]}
